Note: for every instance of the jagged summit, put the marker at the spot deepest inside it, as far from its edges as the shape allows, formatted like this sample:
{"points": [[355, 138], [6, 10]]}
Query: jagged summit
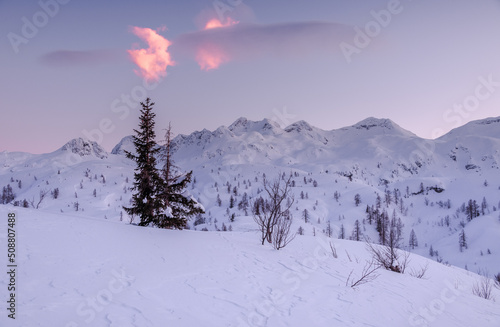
{"points": [[84, 147], [384, 125], [372, 122], [265, 126], [299, 126], [125, 144]]}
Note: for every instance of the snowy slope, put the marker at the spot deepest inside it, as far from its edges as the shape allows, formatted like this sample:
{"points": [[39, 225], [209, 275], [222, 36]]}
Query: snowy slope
{"points": [[76, 271]]}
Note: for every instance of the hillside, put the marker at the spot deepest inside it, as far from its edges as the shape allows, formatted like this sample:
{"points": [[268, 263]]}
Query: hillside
{"points": [[76, 271], [425, 184]]}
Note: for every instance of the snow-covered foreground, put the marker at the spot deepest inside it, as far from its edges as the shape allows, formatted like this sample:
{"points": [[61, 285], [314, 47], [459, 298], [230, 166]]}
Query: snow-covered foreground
{"points": [[76, 271]]}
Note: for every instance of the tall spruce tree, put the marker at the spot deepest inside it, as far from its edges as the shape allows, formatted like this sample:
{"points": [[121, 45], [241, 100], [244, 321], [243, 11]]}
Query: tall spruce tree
{"points": [[177, 205], [145, 202]]}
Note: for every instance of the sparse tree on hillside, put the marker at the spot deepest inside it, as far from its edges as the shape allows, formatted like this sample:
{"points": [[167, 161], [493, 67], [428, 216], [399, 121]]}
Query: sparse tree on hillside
{"points": [[413, 240], [243, 204], [55, 193], [305, 215], [357, 199], [462, 241], [328, 230], [472, 210], [357, 233], [484, 206], [378, 201], [7, 195], [342, 232]]}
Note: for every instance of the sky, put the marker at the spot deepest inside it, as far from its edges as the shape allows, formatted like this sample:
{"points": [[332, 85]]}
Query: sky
{"points": [[74, 68]]}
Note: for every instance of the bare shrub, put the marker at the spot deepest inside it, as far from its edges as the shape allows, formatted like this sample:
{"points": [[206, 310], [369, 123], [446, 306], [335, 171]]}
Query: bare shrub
{"points": [[483, 288], [497, 280], [273, 217], [367, 275], [41, 197], [389, 256], [419, 273], [281, 234], [334, 251]]}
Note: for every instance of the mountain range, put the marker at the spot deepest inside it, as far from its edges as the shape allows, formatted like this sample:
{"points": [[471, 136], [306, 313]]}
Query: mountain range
{"points": [[373, 157]]}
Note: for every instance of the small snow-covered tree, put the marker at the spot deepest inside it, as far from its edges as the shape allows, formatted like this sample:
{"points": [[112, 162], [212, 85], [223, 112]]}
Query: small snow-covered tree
{"points": [[472, 210], [342, 232], [357, 233], [305, 215], [55, 193], [7, 195], [357, 199], [328, 230], [484, 206], [413, 240], [243, 204], [462, 241]]}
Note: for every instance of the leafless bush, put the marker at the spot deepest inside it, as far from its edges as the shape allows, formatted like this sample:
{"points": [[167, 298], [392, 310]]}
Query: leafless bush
{"points": [[273, 217], [282, 235], [497, 280], [334, 250], [419, 273], [367, 275], [348, 256], [483, 288], [389, 257], [41, 197]]}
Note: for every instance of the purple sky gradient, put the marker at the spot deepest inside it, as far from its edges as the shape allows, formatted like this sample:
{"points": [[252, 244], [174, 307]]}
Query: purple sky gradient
{"points": [[433, 67]]}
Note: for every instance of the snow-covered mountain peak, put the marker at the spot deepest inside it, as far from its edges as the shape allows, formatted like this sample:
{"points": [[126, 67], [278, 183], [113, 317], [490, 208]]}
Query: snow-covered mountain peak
{"points": [[239, 123], [488, 127], [382, 125], [84, 147], [125, 144], [372, 122], [299, 126], [265, 126]]}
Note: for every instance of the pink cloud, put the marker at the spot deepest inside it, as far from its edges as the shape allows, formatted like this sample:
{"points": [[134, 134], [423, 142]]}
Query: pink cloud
{"points": [[154, 60]]}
